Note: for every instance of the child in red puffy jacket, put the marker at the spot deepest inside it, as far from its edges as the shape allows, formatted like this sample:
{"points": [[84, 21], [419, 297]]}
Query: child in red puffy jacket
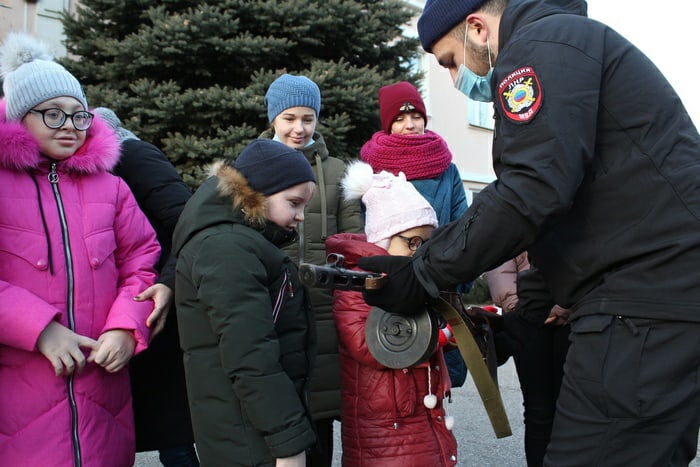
{"points": [[390, 417]]}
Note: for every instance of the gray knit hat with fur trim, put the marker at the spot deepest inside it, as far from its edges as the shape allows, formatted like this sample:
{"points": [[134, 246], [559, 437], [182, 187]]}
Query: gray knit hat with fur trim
{"points": [[292, 91], [30, 76]]}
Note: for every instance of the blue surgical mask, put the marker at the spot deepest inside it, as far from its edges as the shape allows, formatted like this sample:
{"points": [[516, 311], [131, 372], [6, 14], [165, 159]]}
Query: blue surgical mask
{"points": [[475, 87]]}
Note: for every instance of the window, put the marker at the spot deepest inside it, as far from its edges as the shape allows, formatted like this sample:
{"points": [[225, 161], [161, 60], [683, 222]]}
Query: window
{"points": [[480, 114]]}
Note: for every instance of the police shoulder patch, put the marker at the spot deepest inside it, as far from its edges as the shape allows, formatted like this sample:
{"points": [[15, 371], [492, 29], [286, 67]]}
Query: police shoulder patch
{"points": [[520, 94]]}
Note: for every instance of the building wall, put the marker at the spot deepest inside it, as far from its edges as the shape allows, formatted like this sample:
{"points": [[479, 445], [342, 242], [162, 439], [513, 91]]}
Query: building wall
{"points": [[447, 115], [448, 111], [40, 18]]}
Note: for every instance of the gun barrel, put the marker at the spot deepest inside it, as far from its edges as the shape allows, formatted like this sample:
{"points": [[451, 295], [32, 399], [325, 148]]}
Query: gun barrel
{"points": [[332, 277]]}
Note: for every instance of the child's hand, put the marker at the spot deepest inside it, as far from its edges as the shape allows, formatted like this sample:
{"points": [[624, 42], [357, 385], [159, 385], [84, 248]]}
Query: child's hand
{"points": [[162, 298], [115, 349], [61, 347], [295, 461]]}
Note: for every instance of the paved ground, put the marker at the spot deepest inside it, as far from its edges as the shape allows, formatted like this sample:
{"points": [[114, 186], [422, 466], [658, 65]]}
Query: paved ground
{"points": [[477, 445]]}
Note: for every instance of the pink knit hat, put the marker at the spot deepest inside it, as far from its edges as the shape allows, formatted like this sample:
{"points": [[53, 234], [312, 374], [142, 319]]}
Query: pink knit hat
{"points": [[393, 204]]}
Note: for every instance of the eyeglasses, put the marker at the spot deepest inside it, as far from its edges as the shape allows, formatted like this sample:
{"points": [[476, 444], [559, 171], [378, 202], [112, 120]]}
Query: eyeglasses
{"points": [[55, 118], [413, 242]]}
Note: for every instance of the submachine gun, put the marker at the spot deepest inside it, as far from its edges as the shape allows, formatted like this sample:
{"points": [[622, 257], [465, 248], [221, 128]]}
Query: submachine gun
{"points": [[398, 340]]}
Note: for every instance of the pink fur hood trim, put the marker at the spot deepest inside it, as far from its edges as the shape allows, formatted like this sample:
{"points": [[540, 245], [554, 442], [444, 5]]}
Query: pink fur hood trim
{"points": [[19, 150]]}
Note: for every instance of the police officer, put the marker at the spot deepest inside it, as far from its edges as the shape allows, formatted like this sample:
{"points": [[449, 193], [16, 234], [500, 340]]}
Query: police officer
{"points": [[597, 163]]}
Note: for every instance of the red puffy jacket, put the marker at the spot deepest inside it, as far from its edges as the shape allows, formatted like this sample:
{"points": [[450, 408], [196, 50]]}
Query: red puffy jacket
{"points": [[384, 419]]}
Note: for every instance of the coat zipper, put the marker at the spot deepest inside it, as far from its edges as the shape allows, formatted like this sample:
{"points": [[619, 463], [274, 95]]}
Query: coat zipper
{"points": [[495, 122], [70, 306], [284, 288]]}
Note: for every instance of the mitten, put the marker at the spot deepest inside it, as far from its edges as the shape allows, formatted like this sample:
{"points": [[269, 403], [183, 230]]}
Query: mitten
{"points": [[446, 337]]}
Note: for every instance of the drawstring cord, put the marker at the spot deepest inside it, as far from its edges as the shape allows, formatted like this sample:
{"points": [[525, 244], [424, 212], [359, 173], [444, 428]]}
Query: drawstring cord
{"points": [[322, 193], [393, 391], [43, 221]]}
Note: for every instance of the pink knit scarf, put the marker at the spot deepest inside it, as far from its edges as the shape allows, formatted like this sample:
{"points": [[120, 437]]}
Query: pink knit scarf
{"points": [[417, 156]]}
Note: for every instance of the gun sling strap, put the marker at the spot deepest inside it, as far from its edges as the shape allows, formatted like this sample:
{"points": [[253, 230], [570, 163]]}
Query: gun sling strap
{"points": [[485, 384]]}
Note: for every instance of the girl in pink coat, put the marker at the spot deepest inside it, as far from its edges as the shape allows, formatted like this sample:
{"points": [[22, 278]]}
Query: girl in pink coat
{"points": [[74, 251]]}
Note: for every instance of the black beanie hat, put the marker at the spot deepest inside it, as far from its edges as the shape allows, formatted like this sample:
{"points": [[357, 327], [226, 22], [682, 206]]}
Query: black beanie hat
{"points": [[440, 16], [270, 166]]}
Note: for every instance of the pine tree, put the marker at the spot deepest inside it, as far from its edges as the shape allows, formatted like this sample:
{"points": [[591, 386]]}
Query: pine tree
{"points": [[190, 76]]}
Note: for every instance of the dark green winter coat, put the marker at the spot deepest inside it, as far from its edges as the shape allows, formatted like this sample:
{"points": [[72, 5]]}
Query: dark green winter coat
{"points": [[325, 215], [247, 361]]}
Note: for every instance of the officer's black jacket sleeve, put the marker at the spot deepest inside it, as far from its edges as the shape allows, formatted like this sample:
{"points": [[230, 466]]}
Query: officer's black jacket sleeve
{"points": [[540, 165]]}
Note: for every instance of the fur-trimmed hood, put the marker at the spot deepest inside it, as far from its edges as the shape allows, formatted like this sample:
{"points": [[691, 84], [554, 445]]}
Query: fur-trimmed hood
{"points": [[19, 150], [252, 204]]}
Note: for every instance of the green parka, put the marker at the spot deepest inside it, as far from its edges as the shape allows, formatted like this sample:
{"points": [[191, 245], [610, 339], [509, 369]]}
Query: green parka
{"points": [[326, 214], [246, 328]]}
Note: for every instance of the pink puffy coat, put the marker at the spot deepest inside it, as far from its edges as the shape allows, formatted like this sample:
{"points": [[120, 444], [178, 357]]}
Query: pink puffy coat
{"points": [[503, 280], [82, 271], [384, 420]]}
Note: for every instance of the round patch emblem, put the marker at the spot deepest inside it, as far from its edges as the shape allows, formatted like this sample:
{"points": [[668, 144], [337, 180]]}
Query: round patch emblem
{"points": [[521, 94]]}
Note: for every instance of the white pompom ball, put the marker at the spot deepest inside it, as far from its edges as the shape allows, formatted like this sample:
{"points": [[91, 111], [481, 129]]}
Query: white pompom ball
{"points": [[358, 179], [449, 422], [430, 401]]}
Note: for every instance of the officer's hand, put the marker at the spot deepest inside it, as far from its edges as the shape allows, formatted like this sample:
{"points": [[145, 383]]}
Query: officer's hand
{"points": [[402, 292]]}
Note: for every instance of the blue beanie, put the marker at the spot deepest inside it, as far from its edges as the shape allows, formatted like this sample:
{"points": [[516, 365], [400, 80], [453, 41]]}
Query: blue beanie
{"points": [[440, 16], [270, 166], [292, 91]]}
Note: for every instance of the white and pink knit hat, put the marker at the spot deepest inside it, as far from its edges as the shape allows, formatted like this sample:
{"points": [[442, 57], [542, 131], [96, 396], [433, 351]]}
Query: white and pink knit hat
{"points": [[393, 205]]}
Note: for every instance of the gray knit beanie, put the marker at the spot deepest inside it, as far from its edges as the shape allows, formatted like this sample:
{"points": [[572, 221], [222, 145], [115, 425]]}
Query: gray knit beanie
{"points": [[30, 76], [292, 91], [111, 118]]}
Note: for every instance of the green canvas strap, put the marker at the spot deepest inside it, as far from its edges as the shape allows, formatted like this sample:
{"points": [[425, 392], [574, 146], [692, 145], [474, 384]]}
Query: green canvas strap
{"points": [[485, 385]]}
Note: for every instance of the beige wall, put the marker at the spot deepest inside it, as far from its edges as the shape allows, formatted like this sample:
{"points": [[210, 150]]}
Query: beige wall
{"points": [[448, 116], [40, 18]]}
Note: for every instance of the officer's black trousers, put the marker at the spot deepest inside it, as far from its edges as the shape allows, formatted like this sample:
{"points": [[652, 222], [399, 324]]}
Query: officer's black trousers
{"points": [[630, 394]]}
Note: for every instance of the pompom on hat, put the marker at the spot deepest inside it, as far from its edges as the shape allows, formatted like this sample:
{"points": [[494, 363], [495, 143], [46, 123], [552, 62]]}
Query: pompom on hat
{"points": [[393, 205], [398, 98], [440, 16], [270, 166], [292, 91], [30, 76]]}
